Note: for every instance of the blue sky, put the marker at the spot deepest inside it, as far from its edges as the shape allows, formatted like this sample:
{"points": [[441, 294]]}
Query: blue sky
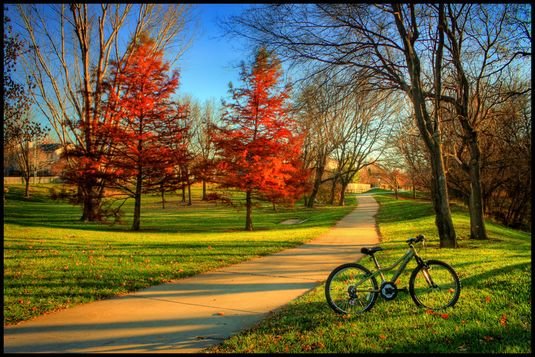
{"points": [[211, 62]]}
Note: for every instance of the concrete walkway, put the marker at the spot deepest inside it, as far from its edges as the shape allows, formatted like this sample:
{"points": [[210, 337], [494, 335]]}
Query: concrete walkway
{"points": [[189, 315]]}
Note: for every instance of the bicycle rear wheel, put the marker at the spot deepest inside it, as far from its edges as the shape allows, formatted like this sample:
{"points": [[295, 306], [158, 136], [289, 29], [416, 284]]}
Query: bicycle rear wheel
{"points": [[351, 288], [434, 286]]}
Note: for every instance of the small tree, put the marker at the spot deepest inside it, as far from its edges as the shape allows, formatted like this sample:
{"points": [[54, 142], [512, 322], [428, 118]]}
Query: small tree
{"points": [[257, 144], [21, 133]]}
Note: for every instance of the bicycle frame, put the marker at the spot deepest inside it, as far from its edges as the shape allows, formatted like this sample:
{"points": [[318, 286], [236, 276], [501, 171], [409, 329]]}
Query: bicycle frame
{"points": [[402, 262]]}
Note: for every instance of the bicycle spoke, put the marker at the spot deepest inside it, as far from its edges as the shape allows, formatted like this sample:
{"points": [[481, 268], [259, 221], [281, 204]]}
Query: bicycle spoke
{"points": [[435, 286], [351, 289]]}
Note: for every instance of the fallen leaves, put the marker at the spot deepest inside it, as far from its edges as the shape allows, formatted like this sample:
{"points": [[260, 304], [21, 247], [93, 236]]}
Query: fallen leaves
{"points": [[432, 313], [503, 320], [313, 346], [488, 338]]}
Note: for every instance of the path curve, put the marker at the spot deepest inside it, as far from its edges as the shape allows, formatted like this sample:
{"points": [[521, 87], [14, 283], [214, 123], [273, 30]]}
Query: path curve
{"points": [[191, 314]]}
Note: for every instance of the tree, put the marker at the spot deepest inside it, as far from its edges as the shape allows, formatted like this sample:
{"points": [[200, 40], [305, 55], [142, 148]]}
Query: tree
{"points": [[203, 120], [364, 115], [21, 134], [142, 123], [256, 144], [480, 51], [408, 149], [317, 121], [72, 46], [174, 133]]}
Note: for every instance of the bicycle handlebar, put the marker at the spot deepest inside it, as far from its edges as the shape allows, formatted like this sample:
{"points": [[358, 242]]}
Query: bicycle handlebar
{"points": [[418, 239]]}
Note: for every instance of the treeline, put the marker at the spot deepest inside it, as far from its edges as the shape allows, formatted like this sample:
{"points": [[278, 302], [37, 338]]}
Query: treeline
{"points": [[438, 93], [457, 67]]}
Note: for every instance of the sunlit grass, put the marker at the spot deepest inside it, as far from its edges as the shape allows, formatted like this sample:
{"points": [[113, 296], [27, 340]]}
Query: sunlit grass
{"points": [[52, 260], [493, 314]]}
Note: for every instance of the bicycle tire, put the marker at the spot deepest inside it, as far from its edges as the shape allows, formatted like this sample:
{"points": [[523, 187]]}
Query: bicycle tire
{"points": [[447, 287], [343, 296]]}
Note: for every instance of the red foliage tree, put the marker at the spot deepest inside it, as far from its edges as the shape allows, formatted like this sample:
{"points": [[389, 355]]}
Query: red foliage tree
{"points": [[257, 144], [144, 124]]}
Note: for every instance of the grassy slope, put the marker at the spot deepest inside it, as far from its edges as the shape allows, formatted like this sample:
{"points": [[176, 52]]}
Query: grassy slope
{"points": [[52, 260], [493, 314]]}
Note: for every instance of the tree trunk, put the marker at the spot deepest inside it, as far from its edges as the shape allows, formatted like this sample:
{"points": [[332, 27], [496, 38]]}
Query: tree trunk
{"points": [[342, 200], [477, 221], [316, 186], [204, 190], [439, 193], [162, 191], [189, 193], [249, 209], [90, 200], [137, 204], [27, 186], [333, 190]]}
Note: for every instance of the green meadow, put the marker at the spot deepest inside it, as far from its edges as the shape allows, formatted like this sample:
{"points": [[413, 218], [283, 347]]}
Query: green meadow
{"points": [[53, 261]]}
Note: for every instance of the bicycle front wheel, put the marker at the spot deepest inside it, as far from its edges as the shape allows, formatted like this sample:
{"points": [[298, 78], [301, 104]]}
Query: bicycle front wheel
{"points": [[435, 285], [351, 288]]}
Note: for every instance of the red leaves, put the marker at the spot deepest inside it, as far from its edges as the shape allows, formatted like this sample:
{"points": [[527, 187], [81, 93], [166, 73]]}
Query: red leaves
{"points": [[145, 128], [433, 313], [258, 150], [503, 320]]}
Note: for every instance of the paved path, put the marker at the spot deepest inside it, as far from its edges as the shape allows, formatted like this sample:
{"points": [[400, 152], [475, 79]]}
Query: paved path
{"points": [[191, 314]]}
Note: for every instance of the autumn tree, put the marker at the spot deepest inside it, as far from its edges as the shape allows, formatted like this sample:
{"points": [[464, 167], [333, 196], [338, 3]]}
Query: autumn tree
{"points": [[72, 46], [256, 143], [142, 123]]}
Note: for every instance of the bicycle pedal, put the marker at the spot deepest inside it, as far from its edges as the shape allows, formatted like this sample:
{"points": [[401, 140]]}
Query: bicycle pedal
{"points": [[403, 290]]}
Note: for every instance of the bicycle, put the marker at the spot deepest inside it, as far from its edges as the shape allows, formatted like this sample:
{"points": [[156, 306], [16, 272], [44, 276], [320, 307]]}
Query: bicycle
{"points": [[352, 288]]}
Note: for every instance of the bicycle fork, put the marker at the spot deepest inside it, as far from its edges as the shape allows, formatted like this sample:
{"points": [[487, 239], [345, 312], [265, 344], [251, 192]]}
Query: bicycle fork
{"points": [[425, 272]]}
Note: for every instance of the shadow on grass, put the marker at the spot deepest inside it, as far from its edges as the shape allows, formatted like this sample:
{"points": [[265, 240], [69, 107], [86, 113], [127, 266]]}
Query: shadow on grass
{"points": [[402, 210], [40, 211], [478, 280]]}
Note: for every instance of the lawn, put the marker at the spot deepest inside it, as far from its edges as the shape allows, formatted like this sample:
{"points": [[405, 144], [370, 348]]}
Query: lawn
{"points": [[54, 261], [493, 314]]}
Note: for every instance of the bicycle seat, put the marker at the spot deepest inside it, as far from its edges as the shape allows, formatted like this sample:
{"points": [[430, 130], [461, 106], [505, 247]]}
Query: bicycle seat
{"points": [[370, 251]]}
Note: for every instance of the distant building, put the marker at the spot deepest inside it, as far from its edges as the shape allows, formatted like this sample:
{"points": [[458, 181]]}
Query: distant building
{"points": [[47, 159]]}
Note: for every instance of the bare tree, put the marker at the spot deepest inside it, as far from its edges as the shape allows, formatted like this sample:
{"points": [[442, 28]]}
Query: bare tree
{"points": [[363, 118], [317, 117], [203, 117], [21, 134], [409, 149], [72, 47], [480, 52]]}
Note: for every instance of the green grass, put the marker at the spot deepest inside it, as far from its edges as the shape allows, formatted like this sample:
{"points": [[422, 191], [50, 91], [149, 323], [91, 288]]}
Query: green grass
{"points": [[493, 314], [53, 261]]}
